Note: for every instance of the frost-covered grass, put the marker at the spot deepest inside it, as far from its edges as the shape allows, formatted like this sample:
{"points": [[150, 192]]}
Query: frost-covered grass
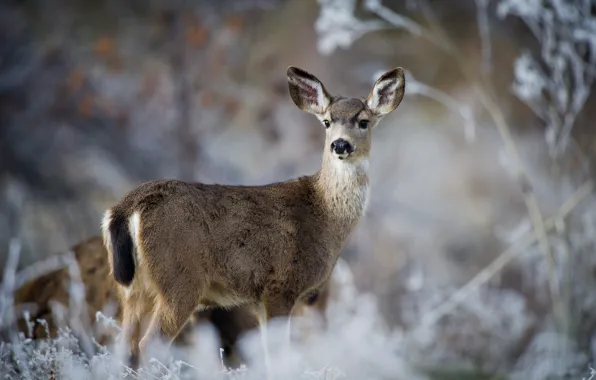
{"points": [[356, 345], [62, 358], [357, 350]]}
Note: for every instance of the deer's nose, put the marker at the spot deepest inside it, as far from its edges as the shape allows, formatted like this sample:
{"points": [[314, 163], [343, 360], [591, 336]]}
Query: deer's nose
{"points": [[341, 146]]}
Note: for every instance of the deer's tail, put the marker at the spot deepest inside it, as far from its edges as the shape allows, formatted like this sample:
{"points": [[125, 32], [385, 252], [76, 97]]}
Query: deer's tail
{"points": [[119, 243]]}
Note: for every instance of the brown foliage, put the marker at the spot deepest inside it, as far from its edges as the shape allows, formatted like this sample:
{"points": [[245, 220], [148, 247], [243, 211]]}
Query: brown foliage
{"points": [[149, 84], [235, 23], [208, 99], [196, 35], [105, 46], [85, 105], [75, 79]]}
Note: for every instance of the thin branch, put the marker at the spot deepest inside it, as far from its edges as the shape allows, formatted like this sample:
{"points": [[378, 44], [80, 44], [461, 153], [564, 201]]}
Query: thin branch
{"points": [[504, 258], [7, 288], [402, 22], [79, 315], [395, 19], [417, 87], [187, 150], [564, 244], [484, 32]]}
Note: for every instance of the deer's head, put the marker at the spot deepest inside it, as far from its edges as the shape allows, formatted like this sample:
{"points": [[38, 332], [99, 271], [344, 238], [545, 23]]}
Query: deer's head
{"points": [[348, 121]]}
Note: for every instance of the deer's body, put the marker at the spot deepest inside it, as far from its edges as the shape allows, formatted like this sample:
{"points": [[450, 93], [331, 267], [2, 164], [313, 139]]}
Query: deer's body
{"points": [[177, 246], [279, 239]]}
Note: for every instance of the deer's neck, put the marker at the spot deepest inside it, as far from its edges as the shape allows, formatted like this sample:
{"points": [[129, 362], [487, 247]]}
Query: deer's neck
{"points": [[344, 188]]}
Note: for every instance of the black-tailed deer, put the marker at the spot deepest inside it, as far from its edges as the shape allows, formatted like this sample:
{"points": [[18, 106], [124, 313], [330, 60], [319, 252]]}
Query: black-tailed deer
{"points": [[177, 246], [42, 295]]}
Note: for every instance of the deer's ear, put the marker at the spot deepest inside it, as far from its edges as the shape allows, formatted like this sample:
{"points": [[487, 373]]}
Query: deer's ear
{"points": [[307, 92], [387, 92]]}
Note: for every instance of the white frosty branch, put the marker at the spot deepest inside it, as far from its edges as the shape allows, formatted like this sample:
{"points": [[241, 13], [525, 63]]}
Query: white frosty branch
{"points": [[338, 27], [484, 31], [557, 87]]}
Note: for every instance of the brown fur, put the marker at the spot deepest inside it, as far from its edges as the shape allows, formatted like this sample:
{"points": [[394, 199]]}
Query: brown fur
{"points": [[177, 246], [38, 295]]}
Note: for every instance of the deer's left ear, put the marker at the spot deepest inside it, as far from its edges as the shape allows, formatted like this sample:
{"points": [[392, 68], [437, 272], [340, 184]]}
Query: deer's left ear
{"points": [[387, 92]]}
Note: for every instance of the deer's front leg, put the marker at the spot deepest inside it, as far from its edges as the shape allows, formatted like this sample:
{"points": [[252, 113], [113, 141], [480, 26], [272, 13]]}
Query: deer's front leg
{"points": [[274, 306]]}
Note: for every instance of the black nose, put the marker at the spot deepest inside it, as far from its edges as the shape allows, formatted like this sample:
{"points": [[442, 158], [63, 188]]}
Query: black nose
{"points": [[341, 146]]}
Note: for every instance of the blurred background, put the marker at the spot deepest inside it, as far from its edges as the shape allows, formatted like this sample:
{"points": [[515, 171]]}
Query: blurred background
{"points": [[479, 241]]}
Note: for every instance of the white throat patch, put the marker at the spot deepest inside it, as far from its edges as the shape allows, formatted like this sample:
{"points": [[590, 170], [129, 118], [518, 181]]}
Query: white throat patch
{"points": [[351, 168], [348, 173]]}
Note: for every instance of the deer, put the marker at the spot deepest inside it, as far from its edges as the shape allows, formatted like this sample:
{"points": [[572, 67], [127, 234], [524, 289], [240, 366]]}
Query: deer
{"points": [[40, 295], [176, 246]]}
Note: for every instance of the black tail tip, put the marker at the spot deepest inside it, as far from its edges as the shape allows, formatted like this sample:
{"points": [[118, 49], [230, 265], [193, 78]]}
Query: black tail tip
{"points": [[122, 246]]}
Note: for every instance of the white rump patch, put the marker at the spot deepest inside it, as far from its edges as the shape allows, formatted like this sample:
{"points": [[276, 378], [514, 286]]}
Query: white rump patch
{"points": [[134, 228], [127, 291]]}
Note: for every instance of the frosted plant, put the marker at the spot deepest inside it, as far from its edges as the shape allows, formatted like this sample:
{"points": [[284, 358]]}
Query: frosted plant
{"points": [[557, 85], [549, 356], [592, 374], [7, 287], [338, 26]]}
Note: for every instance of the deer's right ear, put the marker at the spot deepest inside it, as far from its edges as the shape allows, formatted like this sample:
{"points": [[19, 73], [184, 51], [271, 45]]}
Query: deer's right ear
{"points": [[307, 92]]}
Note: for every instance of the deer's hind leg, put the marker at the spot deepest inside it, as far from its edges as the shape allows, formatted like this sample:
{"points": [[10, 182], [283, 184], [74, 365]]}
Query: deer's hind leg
{"points": [[175, 304], [131, 331]]}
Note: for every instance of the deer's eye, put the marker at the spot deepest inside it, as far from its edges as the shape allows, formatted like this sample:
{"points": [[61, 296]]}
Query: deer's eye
{"points": [[312, 299], [326, 123], [363, 124]]}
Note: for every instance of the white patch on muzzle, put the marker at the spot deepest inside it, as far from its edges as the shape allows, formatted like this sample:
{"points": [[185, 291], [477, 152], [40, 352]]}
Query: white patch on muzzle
{"points": [[341, 156]]}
